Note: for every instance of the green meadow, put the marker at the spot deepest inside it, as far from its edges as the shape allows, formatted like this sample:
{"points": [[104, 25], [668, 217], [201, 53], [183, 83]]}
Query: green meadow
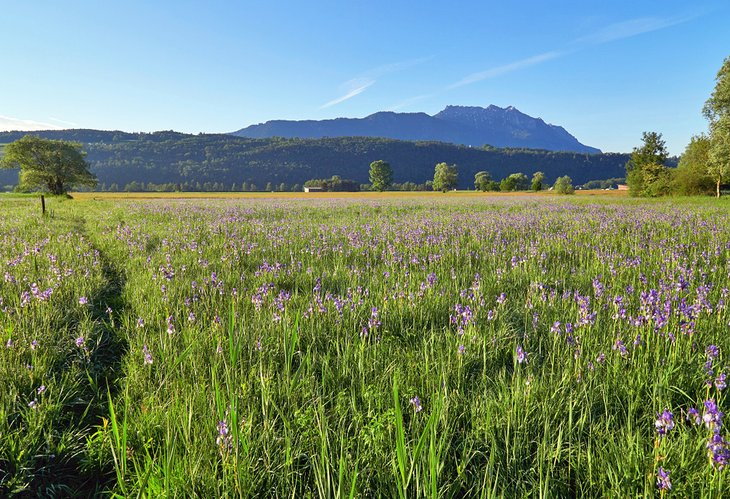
{"points": [[364, 346]]}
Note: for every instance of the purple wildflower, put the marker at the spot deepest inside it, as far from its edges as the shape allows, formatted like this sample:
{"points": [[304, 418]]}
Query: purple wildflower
{"points": [[712, 352], [521, 355], [147, 355], [140, 322], [80, 341], [664, 422], [720, 382], [41, 389], [462, 349], [83, 300], [224, 439], [662, 479], [718, 450], [416, 403], [712, 415], [694, 416]]}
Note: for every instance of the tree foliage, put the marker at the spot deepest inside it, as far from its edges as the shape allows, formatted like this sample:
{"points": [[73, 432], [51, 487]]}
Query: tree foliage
{"points": [[691, 177], [52, 165], [538, 178], [445, 177], [717, 111], [564, 185], [718, 104], [514, 182], [646, 173], [718, 167], [483, 181], [334, 184], [185, 160], [381, 175]]}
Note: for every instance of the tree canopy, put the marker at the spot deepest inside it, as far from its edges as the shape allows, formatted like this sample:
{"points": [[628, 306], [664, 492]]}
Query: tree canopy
{"points": [[564, 185], [483, 181], [381, 175], [445, 177], [718, 104], [537, 180], [691, 177], [646, 173], [53, 165], [514, 182], [718, 167]]}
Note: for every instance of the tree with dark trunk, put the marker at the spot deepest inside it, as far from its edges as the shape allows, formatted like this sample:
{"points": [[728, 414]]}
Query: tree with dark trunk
{"points": [[50, 165]]}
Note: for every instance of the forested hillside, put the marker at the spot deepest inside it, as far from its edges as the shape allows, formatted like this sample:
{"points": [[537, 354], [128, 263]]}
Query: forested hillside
{"points": [[121, 158]]}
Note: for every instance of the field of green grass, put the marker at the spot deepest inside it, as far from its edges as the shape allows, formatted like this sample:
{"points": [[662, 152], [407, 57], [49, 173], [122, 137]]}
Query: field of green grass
{"points": [[364, 346]]}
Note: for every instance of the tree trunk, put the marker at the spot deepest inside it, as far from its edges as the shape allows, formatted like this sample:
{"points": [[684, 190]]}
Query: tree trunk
{"points": [[718, 187]]}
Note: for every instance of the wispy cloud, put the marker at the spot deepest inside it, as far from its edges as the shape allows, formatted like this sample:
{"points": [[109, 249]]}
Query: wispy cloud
{"points": [[358, 85], [8, 123], [353, 88], [396, 66], [606, 34], [64, 122], [633, 27], [410, 102], [506, 68]]}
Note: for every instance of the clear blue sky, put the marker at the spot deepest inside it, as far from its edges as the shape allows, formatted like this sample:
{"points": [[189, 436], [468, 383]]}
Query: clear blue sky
{"points": [[606, 71]]}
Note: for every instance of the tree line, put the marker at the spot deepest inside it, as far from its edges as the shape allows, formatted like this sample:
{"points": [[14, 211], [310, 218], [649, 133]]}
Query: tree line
{"points": [[172, 159], [705, 165]]}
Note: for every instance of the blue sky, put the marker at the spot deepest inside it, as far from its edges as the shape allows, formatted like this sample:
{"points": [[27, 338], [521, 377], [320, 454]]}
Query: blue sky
{"points": [[606, 71]]}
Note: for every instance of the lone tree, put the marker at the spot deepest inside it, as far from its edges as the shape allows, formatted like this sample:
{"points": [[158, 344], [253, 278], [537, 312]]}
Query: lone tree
{"points": [[564, 185], [381, 175], [482, 181], [54, 165], [646, 174], [538, 178], [445, 177]]}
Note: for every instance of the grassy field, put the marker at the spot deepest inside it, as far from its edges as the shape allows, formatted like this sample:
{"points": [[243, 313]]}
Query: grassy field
{"points": [[379, 345]]}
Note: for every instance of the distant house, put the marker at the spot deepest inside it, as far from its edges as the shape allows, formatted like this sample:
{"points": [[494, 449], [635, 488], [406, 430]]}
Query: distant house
{"points": [[313, 189], [622, 187]]}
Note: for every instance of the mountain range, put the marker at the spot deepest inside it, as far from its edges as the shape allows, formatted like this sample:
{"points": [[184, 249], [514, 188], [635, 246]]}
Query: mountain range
{"points": [[464, 125]]}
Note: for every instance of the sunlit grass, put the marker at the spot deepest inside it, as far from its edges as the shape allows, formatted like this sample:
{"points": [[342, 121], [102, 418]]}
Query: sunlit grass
{"points": [[392, 345]]}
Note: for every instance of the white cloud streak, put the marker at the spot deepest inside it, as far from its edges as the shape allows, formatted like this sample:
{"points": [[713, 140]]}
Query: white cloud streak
{"points": [[64, 122], [631, 28], [410, 102], [354, 87], [506, 68], [9, 124], [358, 85]]}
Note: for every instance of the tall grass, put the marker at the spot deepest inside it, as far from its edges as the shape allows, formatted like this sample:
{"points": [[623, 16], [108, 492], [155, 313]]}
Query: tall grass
{"points": [[348, 348]]}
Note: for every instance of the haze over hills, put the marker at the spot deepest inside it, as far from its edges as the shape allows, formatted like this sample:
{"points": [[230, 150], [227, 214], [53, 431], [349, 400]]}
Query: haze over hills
{"points": [[466, 125]]}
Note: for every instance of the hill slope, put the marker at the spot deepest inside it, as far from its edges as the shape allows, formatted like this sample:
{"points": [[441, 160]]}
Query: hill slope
{"points": [[171, 157], [476, 126]]}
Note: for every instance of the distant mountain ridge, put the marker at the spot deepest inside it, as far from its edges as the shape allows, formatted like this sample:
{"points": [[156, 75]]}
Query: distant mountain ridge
{"points": [[465, 125]]}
